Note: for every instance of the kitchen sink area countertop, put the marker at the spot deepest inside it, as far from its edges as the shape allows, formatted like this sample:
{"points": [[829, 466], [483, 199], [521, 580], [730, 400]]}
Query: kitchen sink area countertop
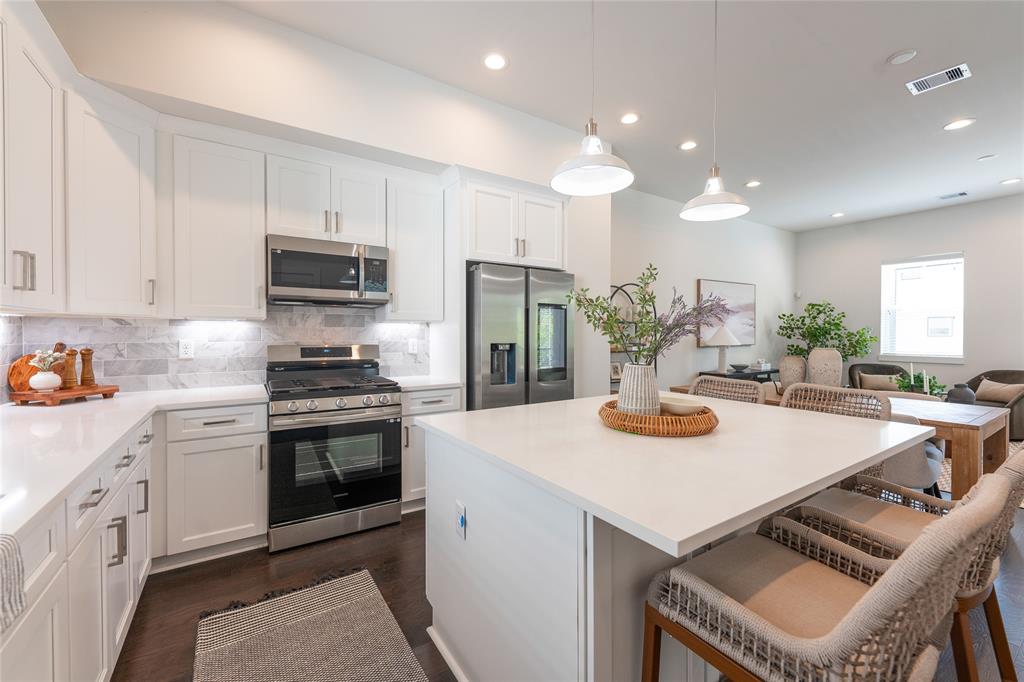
{"points": [[44, 451]]}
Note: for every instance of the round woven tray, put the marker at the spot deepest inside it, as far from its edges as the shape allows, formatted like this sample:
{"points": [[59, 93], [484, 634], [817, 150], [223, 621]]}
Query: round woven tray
{"points": [[664, 424]]}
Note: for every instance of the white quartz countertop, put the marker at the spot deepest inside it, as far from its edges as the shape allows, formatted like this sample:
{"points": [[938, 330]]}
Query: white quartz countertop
{"points": [[44, 451], [676, 494], [426, 383]]}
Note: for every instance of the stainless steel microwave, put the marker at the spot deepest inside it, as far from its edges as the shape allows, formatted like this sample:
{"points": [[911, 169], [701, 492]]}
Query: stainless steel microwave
{"points": [[320, 272]]}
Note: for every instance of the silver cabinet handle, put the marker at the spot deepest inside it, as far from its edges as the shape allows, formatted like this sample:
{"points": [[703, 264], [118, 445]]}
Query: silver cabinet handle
{"points": [[25, 257], [152, 291], [148, 438], [327, 220], [261, 456], [121, 524], [32, 262], [145, 489], [219, 422], [125, 462], [337, 221], [517, 246], [522, 245], [406, 428], [435, 401], [97, 496], [261, 300]]}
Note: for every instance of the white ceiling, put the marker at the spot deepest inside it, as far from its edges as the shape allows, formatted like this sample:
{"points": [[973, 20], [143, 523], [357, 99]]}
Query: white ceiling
{"points": [[807, 102]]}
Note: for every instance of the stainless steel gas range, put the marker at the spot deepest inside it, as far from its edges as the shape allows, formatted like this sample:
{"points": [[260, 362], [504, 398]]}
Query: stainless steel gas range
{"points": [[335, 443]]}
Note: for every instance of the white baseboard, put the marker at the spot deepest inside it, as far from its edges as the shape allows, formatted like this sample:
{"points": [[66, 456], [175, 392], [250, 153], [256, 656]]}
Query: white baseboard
{"points": [[446, 654], [198, 556], [409, 506]]}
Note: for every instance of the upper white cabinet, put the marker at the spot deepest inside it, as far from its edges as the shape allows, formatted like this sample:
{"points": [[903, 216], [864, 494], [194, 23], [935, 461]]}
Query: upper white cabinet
{"points": [[415, 238], [318, 201], [519, 228], [219, 231], [111, 213], [33, 213]]}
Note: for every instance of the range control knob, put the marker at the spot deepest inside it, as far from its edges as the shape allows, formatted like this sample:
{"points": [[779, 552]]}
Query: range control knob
{"points": [[368, 400], [341, 402], [312, 405], [293, 406], [384, 400]]}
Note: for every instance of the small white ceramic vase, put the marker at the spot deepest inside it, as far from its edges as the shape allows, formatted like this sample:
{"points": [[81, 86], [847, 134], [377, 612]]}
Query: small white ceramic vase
{"points": [[638, 390], [825, 367], [45, 382], [792, 370]]}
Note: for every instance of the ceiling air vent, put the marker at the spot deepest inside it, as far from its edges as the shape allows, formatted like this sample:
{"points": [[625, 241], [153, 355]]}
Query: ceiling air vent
{"points": [[954, 195], [937, 80]]}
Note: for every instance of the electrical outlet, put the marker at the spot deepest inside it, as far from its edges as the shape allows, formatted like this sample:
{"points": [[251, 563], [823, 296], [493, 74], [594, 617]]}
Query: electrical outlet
{"points": [[460, 519], [414, 346], [186, 349]]}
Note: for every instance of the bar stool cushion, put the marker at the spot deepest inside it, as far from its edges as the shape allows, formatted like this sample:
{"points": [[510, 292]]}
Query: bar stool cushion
{"points": [[895, 520], [796, 594]]}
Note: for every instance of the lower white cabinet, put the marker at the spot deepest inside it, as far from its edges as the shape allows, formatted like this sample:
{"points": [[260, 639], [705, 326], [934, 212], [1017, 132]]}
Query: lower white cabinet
{"points": [[414, 461], [119, 594], [216, 491], [37, 648], [87, 581], [140, 526]]}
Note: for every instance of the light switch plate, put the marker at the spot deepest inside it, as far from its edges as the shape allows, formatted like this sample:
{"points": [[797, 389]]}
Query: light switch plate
{"points": [[460, 519], [186, 349], [414, 346]]}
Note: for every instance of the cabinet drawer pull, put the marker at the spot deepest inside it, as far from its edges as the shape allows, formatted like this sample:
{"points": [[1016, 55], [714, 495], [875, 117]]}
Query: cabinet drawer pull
{"points": [[121, 524], [147, 438], [26, 267], [125, 462], [435, 401], [99, 494], [327, 220], [337, 221], [220, 422], [152, 291], [145, 490]]}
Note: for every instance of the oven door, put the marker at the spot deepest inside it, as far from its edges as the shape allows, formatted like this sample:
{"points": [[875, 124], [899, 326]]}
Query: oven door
{"points": [[317, 469]]}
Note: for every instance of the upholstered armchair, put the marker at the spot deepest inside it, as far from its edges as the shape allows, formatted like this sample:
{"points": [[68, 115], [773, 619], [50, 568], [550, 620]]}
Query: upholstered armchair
{"points": [[1016, 406], [876, 368]]}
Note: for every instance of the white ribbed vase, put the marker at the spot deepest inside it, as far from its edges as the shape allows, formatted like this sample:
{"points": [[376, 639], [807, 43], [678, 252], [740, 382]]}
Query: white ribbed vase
{"points": [[638, 390]]}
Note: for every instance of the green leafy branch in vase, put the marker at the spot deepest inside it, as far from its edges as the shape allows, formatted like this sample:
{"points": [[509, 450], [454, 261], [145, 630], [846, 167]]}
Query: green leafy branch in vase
{"points": [[823, 326], [915, 384]]}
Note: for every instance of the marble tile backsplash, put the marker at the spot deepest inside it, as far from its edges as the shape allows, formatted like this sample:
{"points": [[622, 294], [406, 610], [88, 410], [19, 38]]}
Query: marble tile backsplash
{"points": [[142, 354]]}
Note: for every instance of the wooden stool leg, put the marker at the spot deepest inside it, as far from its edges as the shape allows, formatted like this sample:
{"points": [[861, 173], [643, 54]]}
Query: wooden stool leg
{"points": [[963, 653], [652, 647], [997, 632]]}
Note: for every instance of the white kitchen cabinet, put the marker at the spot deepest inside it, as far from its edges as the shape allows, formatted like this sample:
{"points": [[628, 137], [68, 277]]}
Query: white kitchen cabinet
{"points": [[298, 198], [541, 232], [216, 491], [219, 231], [87, 579], [118, 591], [140, 526], [37, 648], [414, 461], [33, 213], [415, 219], [518, 228], [111, 211], [359, 205]]}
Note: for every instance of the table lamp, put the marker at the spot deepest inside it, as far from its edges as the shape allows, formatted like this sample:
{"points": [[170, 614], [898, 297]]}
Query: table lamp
{"points": [[722, 338]]}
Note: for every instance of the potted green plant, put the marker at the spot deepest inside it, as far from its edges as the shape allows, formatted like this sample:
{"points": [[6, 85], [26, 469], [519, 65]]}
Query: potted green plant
{"points": [[915, 384], [821, 326], [645, 335]]}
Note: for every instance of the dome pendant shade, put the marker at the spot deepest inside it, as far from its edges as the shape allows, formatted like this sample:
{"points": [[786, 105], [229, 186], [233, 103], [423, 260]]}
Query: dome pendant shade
{"points": [[715, 203], [594, 172]]}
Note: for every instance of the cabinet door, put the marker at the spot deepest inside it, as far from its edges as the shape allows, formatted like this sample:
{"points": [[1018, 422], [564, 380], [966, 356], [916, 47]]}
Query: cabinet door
{"points": [[216, 491], [140, 526], [37, 648], [119, 597], [87, 576], [415, 251], [492, 226], [414, 464], [359, 203], [298, 198], [542, 231], [219, 231], [111, 212], [34, 191]]}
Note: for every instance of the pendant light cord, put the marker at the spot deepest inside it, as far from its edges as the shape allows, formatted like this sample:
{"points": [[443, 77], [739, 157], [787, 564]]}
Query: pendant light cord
{"points": [[714, 115], [593, 61]]}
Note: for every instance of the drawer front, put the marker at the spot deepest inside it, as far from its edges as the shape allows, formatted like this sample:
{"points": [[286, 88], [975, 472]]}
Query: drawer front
{"points": [[426, 402], [86, 502], [214, 422], [140, 442], [43, 548]]}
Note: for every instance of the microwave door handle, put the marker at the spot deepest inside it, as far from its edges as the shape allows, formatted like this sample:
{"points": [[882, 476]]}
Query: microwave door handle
{"points": [[361, 250]]}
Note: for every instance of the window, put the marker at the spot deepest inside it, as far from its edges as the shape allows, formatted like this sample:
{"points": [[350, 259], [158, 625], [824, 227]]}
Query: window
{"points": [[923, 308]]}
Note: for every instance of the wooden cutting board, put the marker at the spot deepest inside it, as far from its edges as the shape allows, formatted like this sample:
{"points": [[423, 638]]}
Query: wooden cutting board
{"points": [[20, 371]]}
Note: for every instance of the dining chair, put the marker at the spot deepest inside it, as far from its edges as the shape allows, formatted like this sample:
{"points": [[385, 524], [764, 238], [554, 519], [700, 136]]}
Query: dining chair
{"points": [[919, 466], [791, 603], [728, 389], [883, 519], [851, 402]]}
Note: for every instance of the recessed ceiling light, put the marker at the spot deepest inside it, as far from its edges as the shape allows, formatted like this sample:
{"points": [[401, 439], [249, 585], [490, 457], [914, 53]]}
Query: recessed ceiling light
{"points": [[754, 183], [987, 157], [630, 118], [1010, 181], [495, 61], [901, 57], [958, 124], [688, 145], [838, 214]]}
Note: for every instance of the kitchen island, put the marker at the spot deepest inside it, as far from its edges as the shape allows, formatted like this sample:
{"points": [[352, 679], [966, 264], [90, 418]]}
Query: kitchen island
{"points": [[566, 522]]}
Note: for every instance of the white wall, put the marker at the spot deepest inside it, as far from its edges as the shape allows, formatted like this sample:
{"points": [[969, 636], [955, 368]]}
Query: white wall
{"points": [[647, 229], [842, 265], [588, 256]]}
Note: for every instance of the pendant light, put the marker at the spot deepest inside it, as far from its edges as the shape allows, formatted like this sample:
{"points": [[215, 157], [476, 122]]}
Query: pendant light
{"points": [[594, 171], [715, 203]]}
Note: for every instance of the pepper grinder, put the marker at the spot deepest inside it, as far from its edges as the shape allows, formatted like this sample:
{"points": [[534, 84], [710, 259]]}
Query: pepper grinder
{"points": [[70, 370], [88, 377]]}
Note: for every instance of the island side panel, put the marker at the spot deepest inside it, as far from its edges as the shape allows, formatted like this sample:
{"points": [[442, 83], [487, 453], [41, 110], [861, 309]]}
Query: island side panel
{"points": [[506, 599]]}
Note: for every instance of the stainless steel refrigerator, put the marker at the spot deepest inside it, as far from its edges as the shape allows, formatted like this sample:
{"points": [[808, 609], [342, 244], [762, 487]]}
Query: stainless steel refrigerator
{"points": [[519, 335]]}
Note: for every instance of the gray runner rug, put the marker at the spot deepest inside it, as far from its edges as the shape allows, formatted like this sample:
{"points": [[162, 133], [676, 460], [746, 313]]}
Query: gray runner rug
{"points": [[338, 630]]}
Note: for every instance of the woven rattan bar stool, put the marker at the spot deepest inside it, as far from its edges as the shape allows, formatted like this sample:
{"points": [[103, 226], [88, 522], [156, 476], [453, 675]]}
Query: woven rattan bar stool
{"points": [[728, 389], [792, 604], [883, 519]]}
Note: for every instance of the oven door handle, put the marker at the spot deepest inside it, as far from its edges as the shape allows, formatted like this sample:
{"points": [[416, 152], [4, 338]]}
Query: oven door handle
{"points": [[285, 423]]}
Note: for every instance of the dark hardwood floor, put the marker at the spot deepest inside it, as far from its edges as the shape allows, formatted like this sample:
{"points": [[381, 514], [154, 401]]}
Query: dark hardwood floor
{"points": [[161, 641]]}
